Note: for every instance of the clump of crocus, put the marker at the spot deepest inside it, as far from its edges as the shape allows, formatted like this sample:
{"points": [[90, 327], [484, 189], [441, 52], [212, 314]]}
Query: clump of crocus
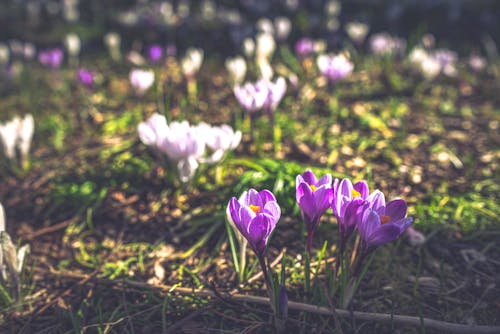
{"points": [[141, 80], [51, 58], [383, 44], [16, 136], [334, 67], [431, 63], [86, 77], [314, 197], [185, 144]]}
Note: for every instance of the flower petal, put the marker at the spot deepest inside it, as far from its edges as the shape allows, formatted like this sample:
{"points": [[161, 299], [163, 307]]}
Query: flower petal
{"points": [[396, 209]]}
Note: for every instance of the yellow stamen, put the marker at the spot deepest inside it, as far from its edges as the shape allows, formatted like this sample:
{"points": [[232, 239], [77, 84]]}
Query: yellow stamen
{"points": [[385, 219], [255, 208], [355, 193], [313, 187]]}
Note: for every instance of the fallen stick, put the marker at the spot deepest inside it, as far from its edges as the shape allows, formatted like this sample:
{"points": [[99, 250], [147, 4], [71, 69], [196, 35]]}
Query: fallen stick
{"points": [[438, 325]]}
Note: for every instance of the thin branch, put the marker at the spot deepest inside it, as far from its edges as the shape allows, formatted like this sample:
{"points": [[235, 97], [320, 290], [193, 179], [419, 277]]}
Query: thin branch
{"points": [[441, 326]]}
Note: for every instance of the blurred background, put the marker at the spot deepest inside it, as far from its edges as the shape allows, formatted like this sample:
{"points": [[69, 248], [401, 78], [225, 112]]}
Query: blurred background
{"points": [[220, 26]]}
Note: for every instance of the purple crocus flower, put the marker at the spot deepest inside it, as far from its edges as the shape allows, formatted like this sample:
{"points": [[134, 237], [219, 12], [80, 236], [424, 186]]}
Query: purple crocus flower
{"points": [[382, 223], [155, 53], [86, 77], [51, 58], [313, 197], [304, 47], [347, 206], [255, 217], [334, 67]]}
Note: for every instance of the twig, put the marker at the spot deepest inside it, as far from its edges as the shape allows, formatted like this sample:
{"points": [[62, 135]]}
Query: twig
{"points": [[441, 326], [50, 229]]}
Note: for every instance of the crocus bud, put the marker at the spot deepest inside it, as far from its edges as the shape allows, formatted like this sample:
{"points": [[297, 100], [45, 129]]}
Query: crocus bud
{"points": [[113, 41], [283, 26], [248, 47], [237, 68], [265, 25], [73, 44]]}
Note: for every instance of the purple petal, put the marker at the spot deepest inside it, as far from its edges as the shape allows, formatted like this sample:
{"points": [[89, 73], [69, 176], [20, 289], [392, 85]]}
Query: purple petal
{"points": [[376, 200], [396, 209], [325, 180], [368, 224], [234, 210], [323, 198], [266, 196], [252, 197], [309, 177], [362, 188], [273, 209], [386, 233]]}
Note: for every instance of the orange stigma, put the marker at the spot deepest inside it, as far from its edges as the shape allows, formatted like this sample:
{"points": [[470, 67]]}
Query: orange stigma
{"points": [[385, 219], [355, 193], [313, 187], [255, 208]]}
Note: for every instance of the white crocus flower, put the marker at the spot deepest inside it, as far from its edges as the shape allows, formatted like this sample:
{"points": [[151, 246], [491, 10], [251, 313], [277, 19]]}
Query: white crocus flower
{"points": [[237, 68], [73, 44], [9, 137], [154, 130], [430, 67], [141, 80], [221, 139], [265, 46], [184, 146], [192, 61], [357, 31], [25, 135]]}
